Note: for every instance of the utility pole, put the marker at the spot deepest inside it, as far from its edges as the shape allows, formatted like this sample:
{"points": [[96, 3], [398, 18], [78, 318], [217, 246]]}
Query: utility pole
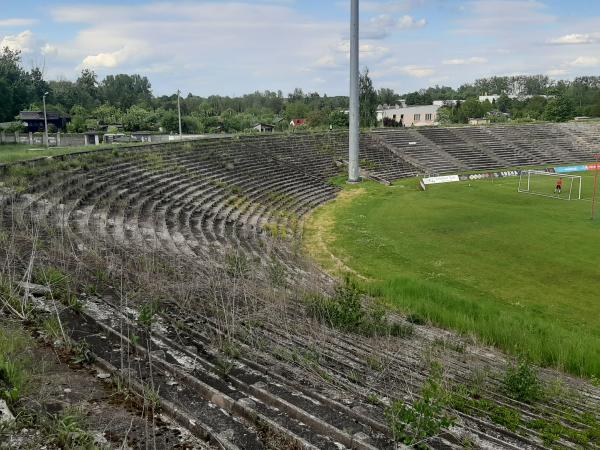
{"points": [[45, 121], [179, 114], [353, 161]]}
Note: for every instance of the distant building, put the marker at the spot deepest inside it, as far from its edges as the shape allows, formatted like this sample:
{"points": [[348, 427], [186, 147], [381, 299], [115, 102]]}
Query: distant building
{"points": [[445, 102], [410, 116], [34, 120], [297, 122], [479, 121], [263, 128], [494, 97]]}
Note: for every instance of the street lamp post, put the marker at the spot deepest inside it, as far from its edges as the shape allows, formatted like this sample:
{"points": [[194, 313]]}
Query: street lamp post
{"points": [[45, 121], [179, 114], [354, 144]]}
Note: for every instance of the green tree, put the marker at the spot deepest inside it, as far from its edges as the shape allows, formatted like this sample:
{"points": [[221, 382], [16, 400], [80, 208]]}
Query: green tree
{"points": [[86, 88], [296, 110], [124, 91], [559, 109], [338, 119], [137, 119], [368, 101], [386, 96], [17, 90], [107, 114], [504, 103]]}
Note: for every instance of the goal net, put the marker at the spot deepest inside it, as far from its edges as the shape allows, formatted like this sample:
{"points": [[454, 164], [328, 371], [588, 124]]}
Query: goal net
{"points": [[549, 184]]}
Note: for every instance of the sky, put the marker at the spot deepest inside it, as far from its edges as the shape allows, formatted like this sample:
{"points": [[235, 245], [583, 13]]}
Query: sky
{"points": [[235, 47]]}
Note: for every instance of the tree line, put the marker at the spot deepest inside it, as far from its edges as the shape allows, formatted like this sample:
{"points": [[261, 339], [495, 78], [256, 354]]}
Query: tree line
{"points": [[126, 102]]}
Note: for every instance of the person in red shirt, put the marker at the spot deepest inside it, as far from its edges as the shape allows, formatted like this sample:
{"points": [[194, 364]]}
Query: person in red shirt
{"points": [[558, 188]]}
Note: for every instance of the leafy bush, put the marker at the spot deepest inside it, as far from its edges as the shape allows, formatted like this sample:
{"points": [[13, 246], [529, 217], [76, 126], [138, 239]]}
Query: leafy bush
{"points": [[521, 383], [344, 311], [426, 418]]}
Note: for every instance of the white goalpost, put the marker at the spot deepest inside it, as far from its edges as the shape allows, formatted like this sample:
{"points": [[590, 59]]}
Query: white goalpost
{"points": [[538, 182]]}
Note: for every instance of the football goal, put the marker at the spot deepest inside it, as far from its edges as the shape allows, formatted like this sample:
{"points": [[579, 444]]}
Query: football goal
{"points": [[549, 184]]}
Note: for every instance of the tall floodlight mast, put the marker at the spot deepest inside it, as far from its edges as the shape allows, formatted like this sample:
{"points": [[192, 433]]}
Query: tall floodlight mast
{"points": [[353, 161], [179, 114]]}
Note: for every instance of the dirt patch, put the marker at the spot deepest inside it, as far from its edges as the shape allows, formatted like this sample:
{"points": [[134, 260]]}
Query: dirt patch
{"points": [[318, 234]]}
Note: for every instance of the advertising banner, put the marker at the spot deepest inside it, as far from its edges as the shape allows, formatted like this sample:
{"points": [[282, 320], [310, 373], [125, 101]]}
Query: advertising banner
{"points": [[568, 169], [441, 179]]}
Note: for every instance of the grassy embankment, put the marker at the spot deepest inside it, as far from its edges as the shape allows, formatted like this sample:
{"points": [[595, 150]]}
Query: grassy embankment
{"points": [[520, 272]]}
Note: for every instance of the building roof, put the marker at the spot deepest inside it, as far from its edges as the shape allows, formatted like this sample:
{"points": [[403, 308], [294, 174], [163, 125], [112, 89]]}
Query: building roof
{"points": [[39, 115]]}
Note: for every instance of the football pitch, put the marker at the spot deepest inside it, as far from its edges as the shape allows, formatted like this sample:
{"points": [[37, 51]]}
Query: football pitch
{"points": [[518, 271]]}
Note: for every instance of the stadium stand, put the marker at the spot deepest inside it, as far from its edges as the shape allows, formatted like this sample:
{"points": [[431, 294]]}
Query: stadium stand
{"points": [[197, 199]]}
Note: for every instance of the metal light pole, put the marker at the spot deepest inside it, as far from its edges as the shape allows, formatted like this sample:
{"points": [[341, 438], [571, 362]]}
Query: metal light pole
{"points": [[595, 192], [353, 161], [179, 114], [354, 144], [45, 121]]}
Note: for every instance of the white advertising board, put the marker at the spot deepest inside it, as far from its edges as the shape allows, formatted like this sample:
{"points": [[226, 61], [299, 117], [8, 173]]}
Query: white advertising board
{"points": [[442, 179]]}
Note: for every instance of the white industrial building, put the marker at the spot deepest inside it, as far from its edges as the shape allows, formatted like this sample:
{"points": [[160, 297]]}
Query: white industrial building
{"points": [[410, 116]]}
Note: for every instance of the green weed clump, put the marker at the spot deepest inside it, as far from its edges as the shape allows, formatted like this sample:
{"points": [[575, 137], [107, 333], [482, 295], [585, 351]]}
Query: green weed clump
{"points": [[147, 314], [237, 265], [521, 383], [344, 311], [16, 364], [61, 286], [69, 431], [414, 424]]}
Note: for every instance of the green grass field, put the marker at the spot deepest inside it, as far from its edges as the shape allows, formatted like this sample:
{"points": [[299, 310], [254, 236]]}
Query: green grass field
{"points": [[520, 272], [21, 152]]}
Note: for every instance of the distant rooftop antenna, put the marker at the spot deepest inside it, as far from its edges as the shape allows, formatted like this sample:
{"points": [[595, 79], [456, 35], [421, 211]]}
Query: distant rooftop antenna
{"points": [[354, 144]]}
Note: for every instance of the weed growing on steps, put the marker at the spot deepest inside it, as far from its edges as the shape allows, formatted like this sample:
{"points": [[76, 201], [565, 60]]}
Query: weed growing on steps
{"points": [[470, 400], [147, 314], [344, 311], [238, 265], [61, 286], [415, 424], [82, 353], [16, 364], [521, 383], [68, 431]]}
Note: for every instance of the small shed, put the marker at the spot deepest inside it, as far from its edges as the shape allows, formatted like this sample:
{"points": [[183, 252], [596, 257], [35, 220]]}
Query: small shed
{"points": [[263, 128]]}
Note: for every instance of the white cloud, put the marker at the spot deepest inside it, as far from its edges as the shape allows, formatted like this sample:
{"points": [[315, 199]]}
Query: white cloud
{"points": [[23, 42], [586, 61], [417, 71], [390, 6], [242, 43], [406, 22], [17, 22], [327, 62], [464, 62], [49, 50], [381, 26], [557, 72], [103, 60], [576, 39]]}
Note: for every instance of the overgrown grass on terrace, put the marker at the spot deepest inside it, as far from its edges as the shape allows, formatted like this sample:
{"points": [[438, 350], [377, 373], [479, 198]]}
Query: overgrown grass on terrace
{"points": [[519, 271], [21, 152]]}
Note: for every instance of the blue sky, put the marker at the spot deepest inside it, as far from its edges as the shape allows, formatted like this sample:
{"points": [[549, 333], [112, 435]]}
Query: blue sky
{"points": [[235, 47]]}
